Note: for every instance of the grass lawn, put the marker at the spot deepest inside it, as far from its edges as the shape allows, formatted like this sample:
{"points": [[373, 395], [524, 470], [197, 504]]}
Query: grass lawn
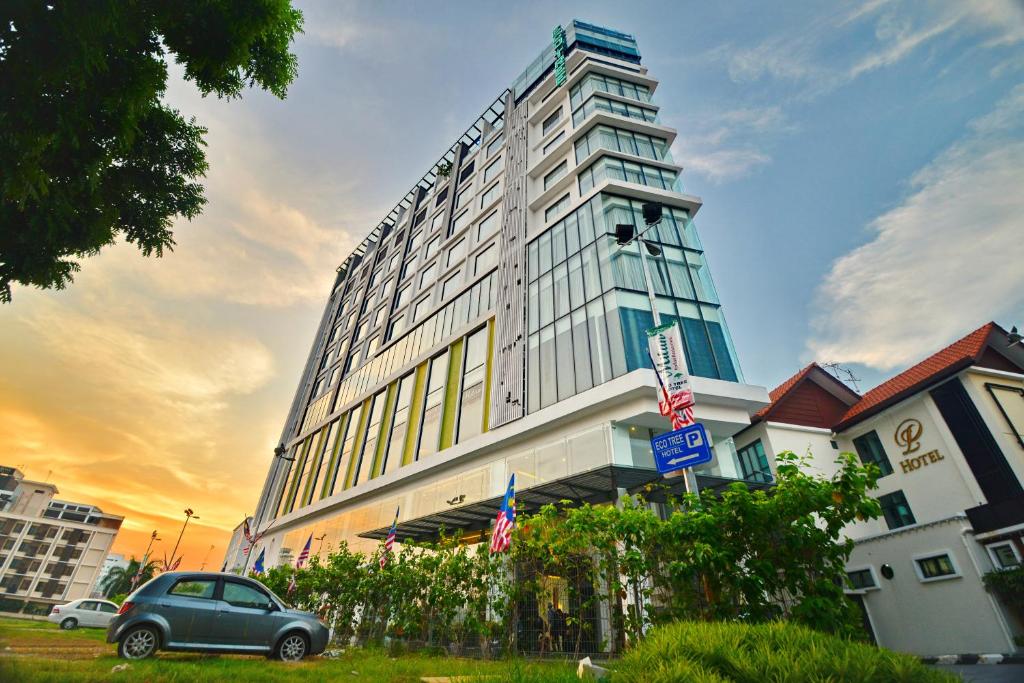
{"points": [[39, 651]]}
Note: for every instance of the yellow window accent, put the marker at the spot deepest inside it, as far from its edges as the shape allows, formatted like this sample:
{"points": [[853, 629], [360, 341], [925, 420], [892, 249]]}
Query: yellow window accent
{"points": [[325, 488], [358, 444], [451, 394], [419, 395], [298, 475], [318, 453], [385, 428], [487, 374]]}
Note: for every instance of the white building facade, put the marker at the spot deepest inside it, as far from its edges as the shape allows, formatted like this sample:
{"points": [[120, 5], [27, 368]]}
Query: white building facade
{"points": [[948, 437], [51, 551], [491, 325]]}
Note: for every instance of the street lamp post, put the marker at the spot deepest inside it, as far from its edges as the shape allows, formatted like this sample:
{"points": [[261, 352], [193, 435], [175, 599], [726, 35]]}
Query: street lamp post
{"points": [[145, 559], [626, 233], [188, 515]]}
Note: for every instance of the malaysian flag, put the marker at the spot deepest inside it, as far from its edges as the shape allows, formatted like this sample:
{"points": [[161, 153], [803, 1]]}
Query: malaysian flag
{"points": [[304, 555], [389, 542], [501, 537]]}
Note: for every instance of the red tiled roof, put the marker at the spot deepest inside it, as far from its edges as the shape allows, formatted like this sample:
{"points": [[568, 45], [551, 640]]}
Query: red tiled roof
{"points": [[781, 390], [955, 357]]}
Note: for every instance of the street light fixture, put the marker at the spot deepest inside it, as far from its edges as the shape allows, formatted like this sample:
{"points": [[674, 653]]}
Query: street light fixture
{"points": [[189, 514]]}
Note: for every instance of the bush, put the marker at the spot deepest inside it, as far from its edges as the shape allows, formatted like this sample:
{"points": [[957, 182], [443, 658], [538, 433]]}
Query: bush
{"points": [[686, 652]]}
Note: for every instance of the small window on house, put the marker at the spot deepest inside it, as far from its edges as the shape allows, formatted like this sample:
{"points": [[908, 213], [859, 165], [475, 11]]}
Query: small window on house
{"points": [[938, 566], [869, 448], [862, 579], [1004, 555], [896, 510], [754, 463]]}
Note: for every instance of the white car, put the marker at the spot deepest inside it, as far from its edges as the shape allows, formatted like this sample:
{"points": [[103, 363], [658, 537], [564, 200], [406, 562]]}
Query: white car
{"points": [[83, 612]]}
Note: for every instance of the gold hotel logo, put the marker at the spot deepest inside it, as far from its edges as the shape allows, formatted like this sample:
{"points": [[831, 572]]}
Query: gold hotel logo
{"points": [[908, 435]]}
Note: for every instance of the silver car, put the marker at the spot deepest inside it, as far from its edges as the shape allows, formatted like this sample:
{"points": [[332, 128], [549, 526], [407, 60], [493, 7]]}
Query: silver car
{"points": [[213, 612], [83, 612]]}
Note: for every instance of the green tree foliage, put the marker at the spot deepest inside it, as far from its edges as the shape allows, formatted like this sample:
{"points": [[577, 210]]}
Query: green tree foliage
{"points": [[736, 555], [88, 150], [118, 580]]}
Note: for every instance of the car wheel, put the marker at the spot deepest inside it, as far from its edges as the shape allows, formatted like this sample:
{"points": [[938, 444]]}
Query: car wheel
{"points": [[138, 643], [292, 648], [69, 624]]}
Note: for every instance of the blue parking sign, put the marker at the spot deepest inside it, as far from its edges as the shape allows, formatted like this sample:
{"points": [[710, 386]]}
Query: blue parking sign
{"points": [[681, 448]]}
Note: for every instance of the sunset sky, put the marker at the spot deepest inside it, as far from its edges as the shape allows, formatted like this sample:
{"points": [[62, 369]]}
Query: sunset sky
{"points": [[860, 164]]}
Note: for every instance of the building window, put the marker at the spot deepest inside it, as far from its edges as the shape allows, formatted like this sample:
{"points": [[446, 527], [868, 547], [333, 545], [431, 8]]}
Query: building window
{"points": [[754, 464], [428, 275], [437, 220], [421, 309], [628, 142], [493, 169], [358, 334], [462, 199], [471, 406], [629, 111], [432, 246], [450, 285], [485, 260], [371, 346], [625, 171], [554, 141], [399, 425], [1004, 555], [896, 510], [460, 222], [556, 209], [552, 177], [456, 253], [862, 579], [415, 241], [364, 470], [487, 226], [494, 145], [441, 197], [869, 448], [490, 194], [351, 427], [935, 567], [594, 82], [467, 170], [379, 316], [433, 404], [396, 327], [420, 216], [551, 121], [402, 298]]}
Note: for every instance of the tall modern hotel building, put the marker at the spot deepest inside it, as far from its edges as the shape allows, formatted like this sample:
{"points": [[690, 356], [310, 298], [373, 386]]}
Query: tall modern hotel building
{"points": [[490, 324]]}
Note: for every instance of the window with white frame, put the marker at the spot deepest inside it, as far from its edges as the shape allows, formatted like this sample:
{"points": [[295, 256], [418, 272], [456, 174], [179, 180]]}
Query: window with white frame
{"points": [[456, 252], [490, 194], [450, 285], [436, 221], [432, 246], [460, 221], [428, 275], [1004, 555], [551, 121], [493, 169], [486, 259], [936, 566], [421, 309], [494, 145], [862, 578], [462, 199], [487, 226]]}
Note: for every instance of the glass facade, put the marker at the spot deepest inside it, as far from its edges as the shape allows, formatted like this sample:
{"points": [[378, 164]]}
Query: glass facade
{"points": [[598, 103], [587, 309], [626, 141], [628, 171], [594, 82]]}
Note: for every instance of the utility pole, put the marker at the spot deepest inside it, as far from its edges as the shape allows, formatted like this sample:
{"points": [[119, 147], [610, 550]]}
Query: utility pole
{"points": [[625, 234]]}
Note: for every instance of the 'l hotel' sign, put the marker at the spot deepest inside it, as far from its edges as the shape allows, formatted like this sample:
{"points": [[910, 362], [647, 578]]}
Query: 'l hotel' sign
{"points": [[908, 437]]}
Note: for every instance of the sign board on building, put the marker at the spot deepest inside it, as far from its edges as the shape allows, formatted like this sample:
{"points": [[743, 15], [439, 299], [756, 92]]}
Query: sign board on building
{"points": [[665, 344], [681, 448], [558, 40]]}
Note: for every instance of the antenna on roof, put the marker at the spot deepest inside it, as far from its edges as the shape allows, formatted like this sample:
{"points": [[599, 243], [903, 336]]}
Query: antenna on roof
{"points": [[843, 374]]}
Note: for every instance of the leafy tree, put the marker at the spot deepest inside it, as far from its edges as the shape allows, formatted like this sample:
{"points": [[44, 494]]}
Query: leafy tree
{"points": [[88, 150], [119, 579]]}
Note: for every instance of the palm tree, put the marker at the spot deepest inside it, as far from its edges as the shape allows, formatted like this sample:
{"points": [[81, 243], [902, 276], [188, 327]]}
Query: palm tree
{"points": [[119, 579]]}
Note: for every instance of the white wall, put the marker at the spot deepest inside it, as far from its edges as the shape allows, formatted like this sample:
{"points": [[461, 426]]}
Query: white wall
{"points": [[948, 616]]}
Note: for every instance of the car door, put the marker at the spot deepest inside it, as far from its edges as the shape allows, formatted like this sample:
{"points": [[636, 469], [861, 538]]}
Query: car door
{"points": [[105, 611], [246, 617], [86, 613], [189, 608]]}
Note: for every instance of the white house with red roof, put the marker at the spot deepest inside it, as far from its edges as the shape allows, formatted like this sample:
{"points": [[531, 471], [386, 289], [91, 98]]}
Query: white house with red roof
{"points": [[948, 436]]}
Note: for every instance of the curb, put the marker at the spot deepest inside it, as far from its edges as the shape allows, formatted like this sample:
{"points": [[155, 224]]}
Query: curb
{"points": [[949, 660]]}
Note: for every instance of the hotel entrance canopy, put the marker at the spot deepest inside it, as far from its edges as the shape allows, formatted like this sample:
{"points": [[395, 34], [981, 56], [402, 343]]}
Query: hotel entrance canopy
{"points": [[599, 485]]}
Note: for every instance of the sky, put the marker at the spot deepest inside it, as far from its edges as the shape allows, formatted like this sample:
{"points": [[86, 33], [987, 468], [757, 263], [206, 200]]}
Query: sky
{"points": [[861, 167]]}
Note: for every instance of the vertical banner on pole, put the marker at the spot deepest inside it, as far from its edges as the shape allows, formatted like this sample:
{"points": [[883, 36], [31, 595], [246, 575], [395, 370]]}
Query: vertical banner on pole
{"points": [[665, 345]]}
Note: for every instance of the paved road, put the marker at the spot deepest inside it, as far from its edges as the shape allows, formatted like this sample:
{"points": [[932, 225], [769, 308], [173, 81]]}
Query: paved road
{"points": [[989, 673]]}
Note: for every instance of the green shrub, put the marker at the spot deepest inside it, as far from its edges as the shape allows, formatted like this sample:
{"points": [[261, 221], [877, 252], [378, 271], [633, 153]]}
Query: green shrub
{"points": [[697, 652]]}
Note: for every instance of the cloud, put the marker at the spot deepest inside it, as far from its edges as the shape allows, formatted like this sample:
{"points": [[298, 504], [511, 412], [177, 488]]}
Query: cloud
{"points": [[728, 145], [944, 261], [805, 58]]}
